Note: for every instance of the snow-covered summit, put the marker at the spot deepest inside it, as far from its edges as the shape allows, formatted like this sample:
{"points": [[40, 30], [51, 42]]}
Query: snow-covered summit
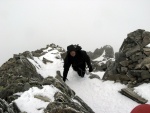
{"points": [[50, 93]]}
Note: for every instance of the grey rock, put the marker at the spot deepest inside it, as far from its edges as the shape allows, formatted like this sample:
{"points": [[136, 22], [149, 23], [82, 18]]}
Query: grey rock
{"points": [[5, 107], [146, 38], [131, 51], [109, 52], [132, 62], [94, 76], [26, 86], [145, 75], [45, 61], [124, 63], [124, 69], [43, 98], [146, 51], [57, 107], [129, 92], [143, 63]]}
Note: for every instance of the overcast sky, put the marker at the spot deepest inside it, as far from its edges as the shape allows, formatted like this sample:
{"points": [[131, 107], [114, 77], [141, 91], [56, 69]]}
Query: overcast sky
{"points": [[32, 24]]}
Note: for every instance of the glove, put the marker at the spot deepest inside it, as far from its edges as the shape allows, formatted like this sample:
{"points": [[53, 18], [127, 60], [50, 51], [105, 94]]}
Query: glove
{"points": [[90, 69], [64, 79]]}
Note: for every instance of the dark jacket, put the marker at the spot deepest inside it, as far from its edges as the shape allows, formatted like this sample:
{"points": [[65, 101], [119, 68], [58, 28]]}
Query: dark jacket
{"points": [[78, 61]]}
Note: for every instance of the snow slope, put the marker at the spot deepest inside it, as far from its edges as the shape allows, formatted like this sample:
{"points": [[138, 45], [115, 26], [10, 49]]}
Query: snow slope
{"points": [[101, 96]]}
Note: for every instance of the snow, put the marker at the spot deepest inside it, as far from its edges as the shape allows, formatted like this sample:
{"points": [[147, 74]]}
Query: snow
{"points": [[148, 45], [101, 58], [101, 96], [142, 89], [48, 69], [28, 103]]}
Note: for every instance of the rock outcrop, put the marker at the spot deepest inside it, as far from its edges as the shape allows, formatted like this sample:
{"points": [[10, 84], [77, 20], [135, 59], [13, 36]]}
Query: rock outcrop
{"points": [[8, 108], [109, 52], [132, 62], [100, 58]]}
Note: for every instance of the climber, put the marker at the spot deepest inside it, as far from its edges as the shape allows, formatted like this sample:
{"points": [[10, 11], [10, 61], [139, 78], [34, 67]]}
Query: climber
{"points": [[78, 59]]}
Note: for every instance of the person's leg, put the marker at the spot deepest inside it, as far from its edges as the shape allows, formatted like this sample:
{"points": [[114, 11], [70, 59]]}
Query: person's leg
{"points": [[75, 68], [81, 72]]}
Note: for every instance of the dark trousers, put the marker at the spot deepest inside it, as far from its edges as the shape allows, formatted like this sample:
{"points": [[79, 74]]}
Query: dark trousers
{"points": [[80, 70]]}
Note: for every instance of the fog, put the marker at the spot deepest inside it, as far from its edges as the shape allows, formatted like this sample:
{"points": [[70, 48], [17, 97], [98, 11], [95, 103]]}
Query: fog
{"points": [[28, 25]]}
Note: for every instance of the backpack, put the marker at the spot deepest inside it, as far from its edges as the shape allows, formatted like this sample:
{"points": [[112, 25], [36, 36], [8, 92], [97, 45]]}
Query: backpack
{"points": [[78, 48], [73, 48]]}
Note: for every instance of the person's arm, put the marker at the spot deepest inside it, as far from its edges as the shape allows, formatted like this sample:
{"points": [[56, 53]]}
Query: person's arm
{"points": [[88, 61], [66, 68]]}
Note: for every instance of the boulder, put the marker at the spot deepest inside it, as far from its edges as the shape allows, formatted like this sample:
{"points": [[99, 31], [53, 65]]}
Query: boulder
{"points": [[132, 61]]}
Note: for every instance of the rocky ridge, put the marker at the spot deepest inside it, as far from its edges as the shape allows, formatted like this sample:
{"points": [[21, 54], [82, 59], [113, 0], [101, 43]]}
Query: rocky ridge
{"points": [[102, 57], [18, 74], [109, 52]]}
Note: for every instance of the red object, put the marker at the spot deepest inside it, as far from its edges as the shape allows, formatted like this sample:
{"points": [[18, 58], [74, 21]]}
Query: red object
{"points": [[143, 108]]}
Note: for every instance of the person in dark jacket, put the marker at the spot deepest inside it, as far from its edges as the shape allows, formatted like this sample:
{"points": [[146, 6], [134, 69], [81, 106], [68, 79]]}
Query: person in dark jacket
{"points": [[78, 59]]}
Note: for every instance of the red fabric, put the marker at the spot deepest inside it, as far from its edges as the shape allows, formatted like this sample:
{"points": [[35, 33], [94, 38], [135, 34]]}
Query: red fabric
{"points": [[144, 108]]}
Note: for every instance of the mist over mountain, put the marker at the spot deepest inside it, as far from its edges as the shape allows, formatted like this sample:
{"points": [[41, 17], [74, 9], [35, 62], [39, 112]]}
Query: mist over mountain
{"points": [[26, 25]]}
